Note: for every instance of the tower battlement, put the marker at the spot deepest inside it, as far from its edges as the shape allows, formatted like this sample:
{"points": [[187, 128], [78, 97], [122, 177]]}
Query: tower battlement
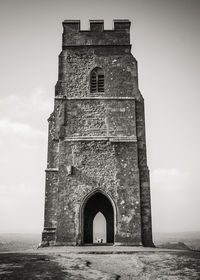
{"points": [[97, 35]]}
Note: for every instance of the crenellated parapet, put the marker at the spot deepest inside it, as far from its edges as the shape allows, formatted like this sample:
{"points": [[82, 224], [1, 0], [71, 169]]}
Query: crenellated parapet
{"points": [[97, 35]]}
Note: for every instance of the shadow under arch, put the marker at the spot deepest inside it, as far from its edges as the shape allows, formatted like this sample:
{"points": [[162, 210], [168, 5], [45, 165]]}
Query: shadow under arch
{"points": [[94, 202]]}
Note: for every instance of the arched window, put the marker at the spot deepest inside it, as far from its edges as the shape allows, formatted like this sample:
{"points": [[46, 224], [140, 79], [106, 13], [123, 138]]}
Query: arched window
{"points": [[97, 80]]}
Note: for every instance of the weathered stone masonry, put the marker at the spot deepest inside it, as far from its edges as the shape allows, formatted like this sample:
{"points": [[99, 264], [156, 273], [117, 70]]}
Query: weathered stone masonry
{"points": [[97, 147]]}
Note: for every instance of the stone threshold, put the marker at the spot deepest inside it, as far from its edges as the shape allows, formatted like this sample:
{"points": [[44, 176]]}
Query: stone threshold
{"points": [[104, 250]]}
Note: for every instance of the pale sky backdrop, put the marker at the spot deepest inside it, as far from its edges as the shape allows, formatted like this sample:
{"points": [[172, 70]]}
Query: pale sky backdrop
{"points": [[165, 36]]}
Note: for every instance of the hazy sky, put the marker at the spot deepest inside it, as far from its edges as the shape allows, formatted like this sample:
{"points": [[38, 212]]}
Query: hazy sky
{"points": [[165, 37]]}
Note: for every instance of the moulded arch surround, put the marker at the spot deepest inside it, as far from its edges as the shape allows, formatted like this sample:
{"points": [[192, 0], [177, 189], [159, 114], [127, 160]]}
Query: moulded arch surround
{"points": [[97, 68], [86, 219]]}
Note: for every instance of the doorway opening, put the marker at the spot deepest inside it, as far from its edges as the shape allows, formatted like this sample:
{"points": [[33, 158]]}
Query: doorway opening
{"points": [[99, 228], [98, 217]]}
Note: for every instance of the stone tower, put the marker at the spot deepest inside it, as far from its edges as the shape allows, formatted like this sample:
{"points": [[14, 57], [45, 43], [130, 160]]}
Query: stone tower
{"points": [[96, 147]]}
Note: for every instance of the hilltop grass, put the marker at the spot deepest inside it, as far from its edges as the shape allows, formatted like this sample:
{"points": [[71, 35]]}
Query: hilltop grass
{"points": [[176, 265]]}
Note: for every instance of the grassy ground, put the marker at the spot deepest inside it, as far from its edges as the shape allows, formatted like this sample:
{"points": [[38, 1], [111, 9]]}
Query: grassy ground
{"points": [[29, 266], [60, 265], [150, 265]]}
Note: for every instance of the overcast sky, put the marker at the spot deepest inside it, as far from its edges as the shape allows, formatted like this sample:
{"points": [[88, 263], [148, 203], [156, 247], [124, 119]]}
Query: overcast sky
{"points": [[165, 36]]}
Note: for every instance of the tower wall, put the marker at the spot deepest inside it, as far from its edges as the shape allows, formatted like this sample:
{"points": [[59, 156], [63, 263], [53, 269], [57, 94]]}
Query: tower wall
{"points": [[97, 140]]}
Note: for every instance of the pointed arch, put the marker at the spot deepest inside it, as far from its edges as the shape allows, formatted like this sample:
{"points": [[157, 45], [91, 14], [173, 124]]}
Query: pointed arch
{"points": [[99, 228], [94, 202]]}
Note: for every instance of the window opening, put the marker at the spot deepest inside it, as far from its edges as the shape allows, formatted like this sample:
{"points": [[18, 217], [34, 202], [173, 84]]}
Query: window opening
{"points": [[97, 80]]}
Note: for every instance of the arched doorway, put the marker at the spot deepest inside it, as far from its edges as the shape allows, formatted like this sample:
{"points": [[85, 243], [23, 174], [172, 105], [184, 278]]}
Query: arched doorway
{"points": [[99, 228], [98, 202]]}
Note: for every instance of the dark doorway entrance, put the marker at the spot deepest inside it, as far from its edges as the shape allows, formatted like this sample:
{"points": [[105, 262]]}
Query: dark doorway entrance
{"points": [[98, 202]]}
